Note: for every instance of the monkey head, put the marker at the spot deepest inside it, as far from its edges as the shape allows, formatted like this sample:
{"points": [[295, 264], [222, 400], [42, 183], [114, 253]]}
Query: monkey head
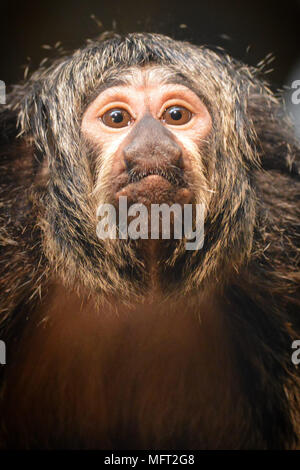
{"points": [[158, 121]]}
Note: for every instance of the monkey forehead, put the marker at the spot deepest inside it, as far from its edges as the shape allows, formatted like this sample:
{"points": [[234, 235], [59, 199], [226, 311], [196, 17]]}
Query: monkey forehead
{"points": [[147, 75], [144, 86], [144, 76]]}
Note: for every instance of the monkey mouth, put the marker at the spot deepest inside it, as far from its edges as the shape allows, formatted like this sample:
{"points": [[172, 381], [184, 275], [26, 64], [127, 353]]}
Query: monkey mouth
{"points": [[173, 176], [154, 185]]}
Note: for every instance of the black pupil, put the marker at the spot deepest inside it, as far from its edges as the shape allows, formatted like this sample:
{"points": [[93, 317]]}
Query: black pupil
{"points": [[176, 114], [117, 116]]}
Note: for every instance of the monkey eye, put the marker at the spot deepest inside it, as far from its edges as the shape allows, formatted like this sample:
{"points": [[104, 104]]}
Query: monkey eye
{"points": [[116, 117], [176, 115]]}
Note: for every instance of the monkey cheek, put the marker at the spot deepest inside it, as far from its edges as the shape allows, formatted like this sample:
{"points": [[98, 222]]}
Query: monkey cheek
{"points": [[154, 189]]}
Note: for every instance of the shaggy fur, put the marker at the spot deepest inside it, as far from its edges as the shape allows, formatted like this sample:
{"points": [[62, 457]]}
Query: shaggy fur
{"points": [[248, 269]]}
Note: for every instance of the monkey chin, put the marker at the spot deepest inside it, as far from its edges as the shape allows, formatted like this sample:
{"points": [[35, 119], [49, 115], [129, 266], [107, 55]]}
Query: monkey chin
{"points": [[155, 189]]}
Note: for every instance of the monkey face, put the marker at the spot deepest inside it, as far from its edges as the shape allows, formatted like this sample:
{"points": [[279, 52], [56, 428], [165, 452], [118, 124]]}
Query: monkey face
{"points": [[148, 132]]}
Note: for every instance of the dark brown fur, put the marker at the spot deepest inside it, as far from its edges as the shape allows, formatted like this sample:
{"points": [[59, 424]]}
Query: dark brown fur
{"points": [[106, 351]]}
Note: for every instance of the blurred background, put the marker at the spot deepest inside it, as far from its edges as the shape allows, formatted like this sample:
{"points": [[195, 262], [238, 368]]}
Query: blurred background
{"points": [[247, 30]]}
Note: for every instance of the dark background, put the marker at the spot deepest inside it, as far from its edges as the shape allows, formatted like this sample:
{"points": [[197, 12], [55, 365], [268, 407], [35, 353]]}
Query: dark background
{"points": [[265, 26]]}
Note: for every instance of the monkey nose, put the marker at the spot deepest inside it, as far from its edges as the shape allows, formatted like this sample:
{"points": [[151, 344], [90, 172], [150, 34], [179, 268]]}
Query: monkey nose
{"points": [[158, 155], [151, 145]]}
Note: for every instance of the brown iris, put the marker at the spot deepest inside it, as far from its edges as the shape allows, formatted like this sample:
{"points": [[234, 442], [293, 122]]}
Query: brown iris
{"points": [[176, 115], [116, 117]]}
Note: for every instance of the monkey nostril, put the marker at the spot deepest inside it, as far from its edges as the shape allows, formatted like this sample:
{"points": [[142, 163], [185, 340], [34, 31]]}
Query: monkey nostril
{"points": [[174, 155], [131, 158], [128, 165], [179, 160]]}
